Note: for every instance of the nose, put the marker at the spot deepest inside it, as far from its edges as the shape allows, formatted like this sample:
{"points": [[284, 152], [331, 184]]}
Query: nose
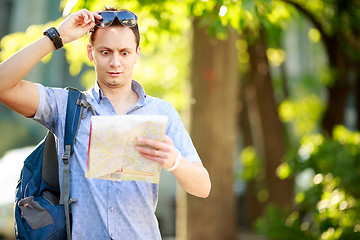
{"points": [[115, 61]]}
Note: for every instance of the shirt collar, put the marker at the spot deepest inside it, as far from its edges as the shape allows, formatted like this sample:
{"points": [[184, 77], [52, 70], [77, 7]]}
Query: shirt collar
{"points": [[135, 86], [97, 93], [139, 90]]}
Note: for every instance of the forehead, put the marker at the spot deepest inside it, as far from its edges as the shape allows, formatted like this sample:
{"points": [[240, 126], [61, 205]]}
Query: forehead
{"points": [[116, 36]]}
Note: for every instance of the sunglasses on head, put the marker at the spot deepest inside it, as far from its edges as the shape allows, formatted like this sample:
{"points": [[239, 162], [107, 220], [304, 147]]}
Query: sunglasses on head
{"points": [[126, 18]]}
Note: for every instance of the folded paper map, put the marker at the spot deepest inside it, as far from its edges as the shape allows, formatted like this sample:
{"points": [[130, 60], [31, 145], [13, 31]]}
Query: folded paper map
{"points": [[112, 142]]}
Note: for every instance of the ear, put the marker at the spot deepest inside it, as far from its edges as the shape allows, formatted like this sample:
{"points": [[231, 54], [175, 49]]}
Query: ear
{"points": [[90, 53], [138, 54]]}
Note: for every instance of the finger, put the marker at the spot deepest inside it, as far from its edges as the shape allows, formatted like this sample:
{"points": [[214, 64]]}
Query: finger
{"points": [[84, 16], [167, 139], [149, 151], [87, 17], [90, 15], [88, 26], [97, 15], [151, 143], [80, 19], [158, 160]]}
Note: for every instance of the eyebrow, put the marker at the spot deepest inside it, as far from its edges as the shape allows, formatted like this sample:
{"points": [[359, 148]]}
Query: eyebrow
{"points": [[107, 48]]}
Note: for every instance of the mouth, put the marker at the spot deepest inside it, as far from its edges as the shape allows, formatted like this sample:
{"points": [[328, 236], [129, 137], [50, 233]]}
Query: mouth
{"points": [[114, 73]]}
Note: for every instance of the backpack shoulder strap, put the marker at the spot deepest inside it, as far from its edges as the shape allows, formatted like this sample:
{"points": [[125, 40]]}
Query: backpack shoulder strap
{"points": [[75, 108], [73, 117]]}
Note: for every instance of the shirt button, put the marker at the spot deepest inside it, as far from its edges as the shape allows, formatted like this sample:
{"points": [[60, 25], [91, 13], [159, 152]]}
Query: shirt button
{"points": [[111, 208], [113, 182]]}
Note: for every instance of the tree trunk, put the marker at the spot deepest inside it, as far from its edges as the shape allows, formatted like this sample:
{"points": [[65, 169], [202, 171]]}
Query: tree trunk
{"points": [[253, 208], [213, 128], [266, 126], [357, 104], [338, 92]]}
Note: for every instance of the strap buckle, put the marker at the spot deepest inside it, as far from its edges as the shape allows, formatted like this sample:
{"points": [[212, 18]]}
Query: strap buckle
{"points": [[66, 155], [85, 104]]}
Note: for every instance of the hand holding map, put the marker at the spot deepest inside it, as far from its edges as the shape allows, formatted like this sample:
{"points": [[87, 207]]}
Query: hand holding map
{"points": [[112, 142]]}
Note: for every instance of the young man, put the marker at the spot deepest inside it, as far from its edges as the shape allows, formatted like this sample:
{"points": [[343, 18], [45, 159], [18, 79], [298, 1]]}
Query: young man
{"points": [[105, 209]]}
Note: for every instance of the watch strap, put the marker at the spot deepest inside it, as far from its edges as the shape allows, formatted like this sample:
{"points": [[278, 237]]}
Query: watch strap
{"points": [[54, 36]]}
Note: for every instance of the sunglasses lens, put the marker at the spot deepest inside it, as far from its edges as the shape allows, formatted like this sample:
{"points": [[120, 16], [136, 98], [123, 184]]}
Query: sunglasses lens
{"points": [[127, 18], [129, 23], [107, 19]]}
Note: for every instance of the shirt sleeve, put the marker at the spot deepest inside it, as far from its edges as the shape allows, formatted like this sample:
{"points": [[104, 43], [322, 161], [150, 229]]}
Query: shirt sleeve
{"points": [[182, 140], [52, 101]]}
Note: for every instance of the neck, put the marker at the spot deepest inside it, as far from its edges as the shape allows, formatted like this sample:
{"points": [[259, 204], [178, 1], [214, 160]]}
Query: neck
{"points": [[121, 98]]}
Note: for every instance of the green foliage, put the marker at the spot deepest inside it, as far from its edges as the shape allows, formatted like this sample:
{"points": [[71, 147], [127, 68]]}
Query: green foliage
{"points": [[337, 19], [284, 171], [15, 41], [302, 114], [280, 225], [330, 207], [251, 164]]}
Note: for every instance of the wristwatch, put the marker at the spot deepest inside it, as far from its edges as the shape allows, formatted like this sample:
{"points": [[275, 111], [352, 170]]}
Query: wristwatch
{"points": [[54, 36]]}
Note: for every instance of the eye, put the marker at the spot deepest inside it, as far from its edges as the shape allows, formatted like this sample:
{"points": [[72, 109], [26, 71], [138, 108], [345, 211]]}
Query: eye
{"points": [[105, 52], [124, 53]]}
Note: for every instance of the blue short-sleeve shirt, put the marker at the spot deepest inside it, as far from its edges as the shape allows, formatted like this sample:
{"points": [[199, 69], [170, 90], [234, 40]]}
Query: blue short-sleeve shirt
{"points": [[110, 209]]}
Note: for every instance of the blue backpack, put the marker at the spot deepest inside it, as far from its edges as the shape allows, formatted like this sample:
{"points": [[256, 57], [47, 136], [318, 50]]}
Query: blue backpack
{"points": [[42, 211]]}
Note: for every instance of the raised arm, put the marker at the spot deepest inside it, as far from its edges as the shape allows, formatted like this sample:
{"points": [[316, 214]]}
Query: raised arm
{"points": [[23, 96], [192, 177]]}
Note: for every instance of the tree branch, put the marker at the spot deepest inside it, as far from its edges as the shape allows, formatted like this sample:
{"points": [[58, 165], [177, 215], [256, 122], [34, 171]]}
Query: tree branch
{"points": [[310, 16], [352, 40]]}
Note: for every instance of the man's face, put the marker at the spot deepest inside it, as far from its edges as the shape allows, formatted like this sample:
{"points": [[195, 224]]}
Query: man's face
{"points": [[114, 54]]}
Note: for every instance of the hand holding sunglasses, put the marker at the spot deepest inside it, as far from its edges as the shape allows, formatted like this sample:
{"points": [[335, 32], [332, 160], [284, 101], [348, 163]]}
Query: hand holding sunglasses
{"points": [[126, 18], [72, 27]]}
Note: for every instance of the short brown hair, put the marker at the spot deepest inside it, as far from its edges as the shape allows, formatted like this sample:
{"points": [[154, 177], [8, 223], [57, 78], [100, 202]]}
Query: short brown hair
{"points": [[116, 22]]}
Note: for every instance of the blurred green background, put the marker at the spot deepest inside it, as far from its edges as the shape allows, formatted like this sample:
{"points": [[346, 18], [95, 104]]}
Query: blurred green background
{"points": [[268, 89]]}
